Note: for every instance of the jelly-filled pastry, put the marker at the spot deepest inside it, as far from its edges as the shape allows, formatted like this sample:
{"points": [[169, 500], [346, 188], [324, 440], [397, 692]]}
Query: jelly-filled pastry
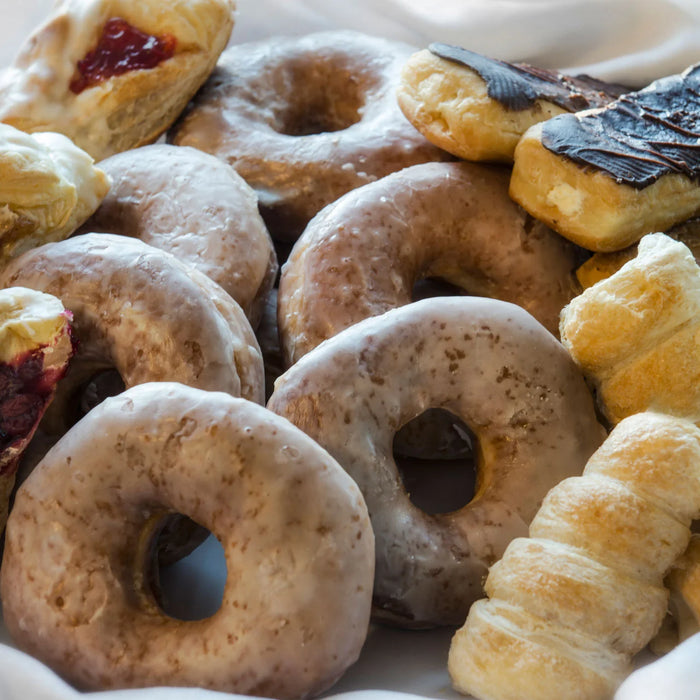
{"points": [[635, 334], [603, 178], [35, 349], [114, 74], [478, 107], [48, 187]]}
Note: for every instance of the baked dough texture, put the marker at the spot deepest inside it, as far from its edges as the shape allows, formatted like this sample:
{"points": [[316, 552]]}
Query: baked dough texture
{"points": [[364, 253], [490, 364], [571, 605], [635, 334], [48, 187], [293, 526], [126, 110], [604, 178], [602, 265], [196, 207], [142, 313], [305, 119], [477, 108]]}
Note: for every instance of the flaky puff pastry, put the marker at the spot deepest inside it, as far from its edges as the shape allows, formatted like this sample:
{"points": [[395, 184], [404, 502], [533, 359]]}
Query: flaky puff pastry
{"points": [[636, 334], [48, 187], [126, 110], [569, 606]]}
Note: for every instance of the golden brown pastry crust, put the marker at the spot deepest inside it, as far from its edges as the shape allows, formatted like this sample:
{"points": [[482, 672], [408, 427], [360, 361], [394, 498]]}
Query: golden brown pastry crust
{"points": [[607, 537], [126, 110], [454, 106], [605, 177], [634, 334], [35, 350], [589, 207]]}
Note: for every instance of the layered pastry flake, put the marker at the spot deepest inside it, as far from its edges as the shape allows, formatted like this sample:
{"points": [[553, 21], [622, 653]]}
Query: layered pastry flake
{"points": [[48, 188], [571, 605], [114, 74], [635, 334], [36, 347]]}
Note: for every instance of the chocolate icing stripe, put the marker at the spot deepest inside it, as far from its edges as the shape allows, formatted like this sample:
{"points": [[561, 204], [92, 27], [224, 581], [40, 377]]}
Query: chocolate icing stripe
{"points": [[638, 138], [517, 86]]}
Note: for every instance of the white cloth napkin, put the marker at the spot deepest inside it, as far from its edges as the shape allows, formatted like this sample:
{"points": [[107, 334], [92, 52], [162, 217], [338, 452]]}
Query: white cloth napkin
{"points": [[631, 41]]}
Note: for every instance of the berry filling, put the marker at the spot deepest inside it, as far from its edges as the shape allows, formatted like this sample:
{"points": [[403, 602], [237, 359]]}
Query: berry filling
{"points": [[26, 388], [120, 49]]}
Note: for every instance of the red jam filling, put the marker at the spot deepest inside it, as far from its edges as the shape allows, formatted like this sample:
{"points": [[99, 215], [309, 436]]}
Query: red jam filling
{"points": [[121, 48], [26, 387]]}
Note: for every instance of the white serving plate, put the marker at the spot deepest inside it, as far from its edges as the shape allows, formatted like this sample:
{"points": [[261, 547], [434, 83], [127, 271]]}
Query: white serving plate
{"points": [[631, 41]]}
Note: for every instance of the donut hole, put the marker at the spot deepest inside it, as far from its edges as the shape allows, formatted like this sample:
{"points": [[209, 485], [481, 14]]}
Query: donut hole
{"points": [[428, 287], [90, 392], [185, 569], [435, 456], [319, 97]]}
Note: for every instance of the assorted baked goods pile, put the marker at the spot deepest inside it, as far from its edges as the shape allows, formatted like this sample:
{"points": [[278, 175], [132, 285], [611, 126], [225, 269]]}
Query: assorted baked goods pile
{"points": [[221, 333]]}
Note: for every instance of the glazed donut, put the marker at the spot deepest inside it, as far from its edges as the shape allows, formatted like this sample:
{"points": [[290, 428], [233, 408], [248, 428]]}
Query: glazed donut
{"points": [[478, 107], [113, 74], [268, 338], [363, 254], [35, 349], [141, 312], [304, 120], [604, 178], [48, 187], [196, 207], [490, 364], [293, 526]]}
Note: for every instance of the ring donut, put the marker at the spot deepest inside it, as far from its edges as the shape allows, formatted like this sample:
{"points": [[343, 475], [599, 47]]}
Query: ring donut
{"points": [[113, 74], [364, 253], [293, 526], [329, 121], [141, 312], [198, 208], [493, 366]]}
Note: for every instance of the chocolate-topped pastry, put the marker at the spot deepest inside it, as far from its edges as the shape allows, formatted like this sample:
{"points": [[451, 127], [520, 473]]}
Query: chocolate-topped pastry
{"points": [[518, 86], [605, 177], [477, 107]]}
